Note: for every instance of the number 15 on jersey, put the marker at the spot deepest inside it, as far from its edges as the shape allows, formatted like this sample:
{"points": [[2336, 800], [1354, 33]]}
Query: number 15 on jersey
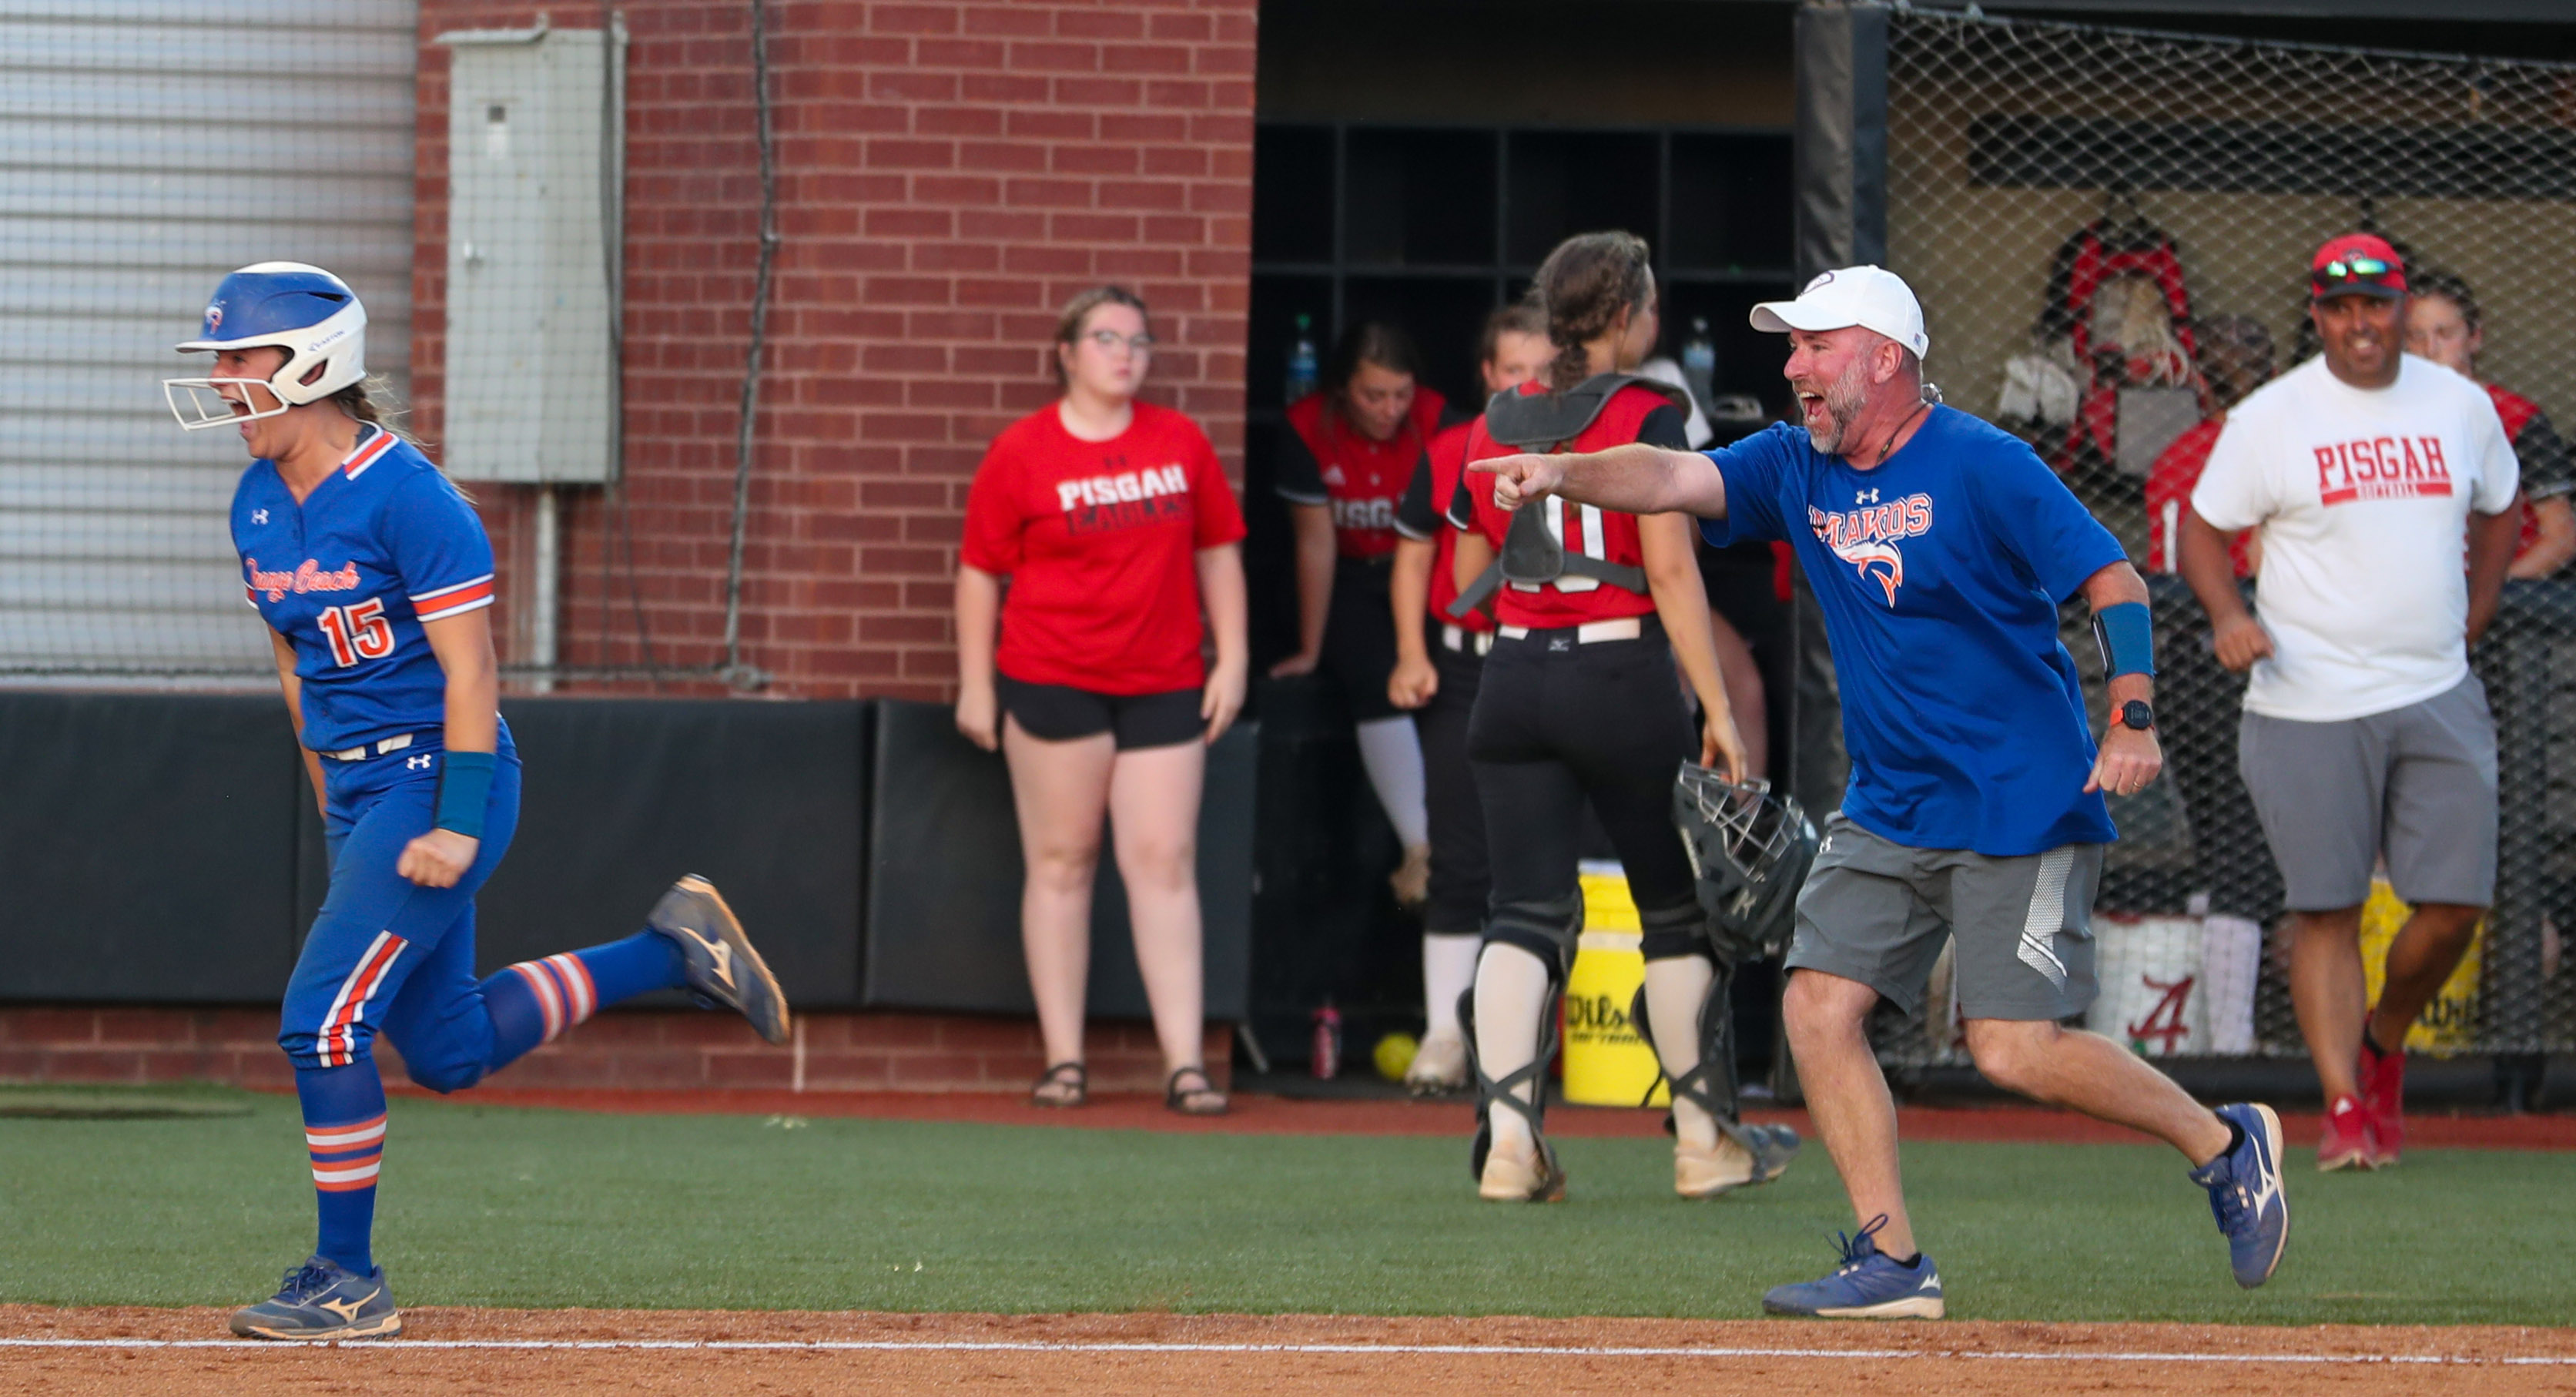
{"points": [[357, 632]]}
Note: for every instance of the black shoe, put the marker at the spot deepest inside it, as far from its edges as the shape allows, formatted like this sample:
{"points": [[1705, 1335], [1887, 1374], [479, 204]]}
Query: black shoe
{"points": [[722, 967]]}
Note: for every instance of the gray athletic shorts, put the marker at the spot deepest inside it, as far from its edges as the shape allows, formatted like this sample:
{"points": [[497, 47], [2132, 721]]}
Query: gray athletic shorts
{"points": [[2417, 783], [1876, 912]]}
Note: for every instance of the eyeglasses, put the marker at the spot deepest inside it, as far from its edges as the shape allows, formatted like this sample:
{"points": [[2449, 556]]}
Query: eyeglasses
{"points": [[1110, 341], [2346, 268]]}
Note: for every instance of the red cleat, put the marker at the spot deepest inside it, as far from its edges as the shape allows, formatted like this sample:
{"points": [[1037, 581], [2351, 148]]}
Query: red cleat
{"points": [[2383, 1105], [2346, 1141]]}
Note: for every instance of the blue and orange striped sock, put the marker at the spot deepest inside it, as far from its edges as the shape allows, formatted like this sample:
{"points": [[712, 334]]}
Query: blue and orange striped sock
{"points": [[535, 1001], [344, 1133]]}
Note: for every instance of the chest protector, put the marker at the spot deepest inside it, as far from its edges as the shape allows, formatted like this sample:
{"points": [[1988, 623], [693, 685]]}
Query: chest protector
{"points": [[1549, 423]]}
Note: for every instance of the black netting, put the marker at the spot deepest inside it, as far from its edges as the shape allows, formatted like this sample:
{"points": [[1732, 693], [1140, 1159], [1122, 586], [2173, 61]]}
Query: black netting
{"points": [[2110, 233]]}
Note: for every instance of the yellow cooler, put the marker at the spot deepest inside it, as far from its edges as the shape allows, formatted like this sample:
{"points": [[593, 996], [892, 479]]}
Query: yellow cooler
{"points": [[1606, 1062], [2448, 1024]]}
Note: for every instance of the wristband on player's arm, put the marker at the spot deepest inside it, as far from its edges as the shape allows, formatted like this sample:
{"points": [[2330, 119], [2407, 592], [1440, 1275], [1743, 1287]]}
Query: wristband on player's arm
{"points": [[2127, 636], [464, 784]]}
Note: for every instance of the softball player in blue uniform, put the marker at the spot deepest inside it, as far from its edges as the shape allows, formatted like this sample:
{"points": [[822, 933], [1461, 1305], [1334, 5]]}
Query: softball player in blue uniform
{"points": [[373, 575]]}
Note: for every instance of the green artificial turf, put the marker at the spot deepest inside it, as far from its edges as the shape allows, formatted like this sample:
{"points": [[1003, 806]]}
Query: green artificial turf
{"points": [[499, 1206]]}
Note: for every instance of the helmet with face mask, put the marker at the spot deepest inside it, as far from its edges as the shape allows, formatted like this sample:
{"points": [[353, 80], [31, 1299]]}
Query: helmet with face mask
{"points": [[304, 310]]}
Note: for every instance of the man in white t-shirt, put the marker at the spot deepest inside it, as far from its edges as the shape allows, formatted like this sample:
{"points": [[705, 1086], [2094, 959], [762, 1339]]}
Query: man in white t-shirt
{"points": [[2364, 733]]}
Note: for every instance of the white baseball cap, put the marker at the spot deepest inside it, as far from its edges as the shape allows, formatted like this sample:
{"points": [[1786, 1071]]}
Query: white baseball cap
{"points": [[1873, 298]]}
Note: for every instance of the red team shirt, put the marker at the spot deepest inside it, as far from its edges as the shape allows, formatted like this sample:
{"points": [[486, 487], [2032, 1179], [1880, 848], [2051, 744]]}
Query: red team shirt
{"points": [[1443, 462], [1326, 461], [2169, 483], [1601, 533], [1100, 541]]}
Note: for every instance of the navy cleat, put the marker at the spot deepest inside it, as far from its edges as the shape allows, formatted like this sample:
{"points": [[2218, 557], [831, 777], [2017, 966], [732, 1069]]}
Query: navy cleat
{"points": [[722, 967], [2245, 1193], [1869, 1284], [323, 1300]]}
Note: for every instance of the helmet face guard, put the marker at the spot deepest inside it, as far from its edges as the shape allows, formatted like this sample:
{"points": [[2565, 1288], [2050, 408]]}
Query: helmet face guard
{"points": [[1750, 849], [200, 403], [304, 310]]}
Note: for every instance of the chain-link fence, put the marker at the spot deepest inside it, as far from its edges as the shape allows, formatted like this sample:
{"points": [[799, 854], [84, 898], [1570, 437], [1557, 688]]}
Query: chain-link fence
{"points": [[2110, 233]]}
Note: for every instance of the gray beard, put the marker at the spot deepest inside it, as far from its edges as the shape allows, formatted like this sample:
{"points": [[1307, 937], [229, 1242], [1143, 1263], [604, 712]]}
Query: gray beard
{"points": [[1843, 399]]}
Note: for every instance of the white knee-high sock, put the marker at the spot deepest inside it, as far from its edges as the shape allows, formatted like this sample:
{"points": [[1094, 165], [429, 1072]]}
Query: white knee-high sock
{"points": [[1676, 987], [1448, 968], [1392, 753], [1511, 993]]}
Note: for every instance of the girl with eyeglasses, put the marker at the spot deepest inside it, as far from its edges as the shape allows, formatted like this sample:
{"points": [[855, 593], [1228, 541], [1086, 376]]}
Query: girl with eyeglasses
{"points": [[1116, 530]]}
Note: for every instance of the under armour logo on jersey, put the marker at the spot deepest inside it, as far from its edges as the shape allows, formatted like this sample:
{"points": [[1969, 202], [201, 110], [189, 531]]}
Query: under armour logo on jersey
{"points": [[1864, 497], [259, 516], [419, 763]]}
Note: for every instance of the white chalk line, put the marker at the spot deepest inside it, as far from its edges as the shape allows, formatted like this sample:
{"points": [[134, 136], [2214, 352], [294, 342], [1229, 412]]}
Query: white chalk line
{"points": [[1400, 1350]]}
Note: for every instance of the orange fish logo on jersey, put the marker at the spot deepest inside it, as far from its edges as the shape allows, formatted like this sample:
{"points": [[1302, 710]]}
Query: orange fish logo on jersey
{"points": [[1866, 537]]}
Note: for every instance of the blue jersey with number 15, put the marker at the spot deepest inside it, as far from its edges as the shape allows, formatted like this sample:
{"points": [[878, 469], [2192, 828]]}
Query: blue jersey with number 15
{"points": [[381, 545]]}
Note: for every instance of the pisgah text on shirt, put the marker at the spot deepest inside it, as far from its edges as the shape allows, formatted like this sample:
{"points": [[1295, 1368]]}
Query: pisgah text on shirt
{"points": [[2381, 468]]}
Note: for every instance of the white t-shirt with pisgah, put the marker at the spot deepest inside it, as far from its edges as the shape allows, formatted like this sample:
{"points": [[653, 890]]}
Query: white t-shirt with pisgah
{"points": [[2363, 496]]}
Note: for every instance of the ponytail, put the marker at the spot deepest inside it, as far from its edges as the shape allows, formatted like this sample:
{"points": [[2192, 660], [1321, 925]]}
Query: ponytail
{"points": [[1583, 285]]}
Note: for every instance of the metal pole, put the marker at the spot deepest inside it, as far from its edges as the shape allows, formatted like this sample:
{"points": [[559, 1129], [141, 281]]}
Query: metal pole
{"points": [[736, 673]]}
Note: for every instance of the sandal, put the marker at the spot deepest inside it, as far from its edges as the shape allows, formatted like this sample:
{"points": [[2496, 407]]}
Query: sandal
{"points": [[1201, 1100], [1065, 1084]]}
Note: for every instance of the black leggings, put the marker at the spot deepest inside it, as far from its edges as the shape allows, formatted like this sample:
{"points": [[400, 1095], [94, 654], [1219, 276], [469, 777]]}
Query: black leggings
{"points": [[1461, 880], [1558, 722]]}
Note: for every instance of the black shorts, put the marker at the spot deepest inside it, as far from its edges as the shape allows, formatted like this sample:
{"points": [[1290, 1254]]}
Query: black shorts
{"points": [[1062, 713]]}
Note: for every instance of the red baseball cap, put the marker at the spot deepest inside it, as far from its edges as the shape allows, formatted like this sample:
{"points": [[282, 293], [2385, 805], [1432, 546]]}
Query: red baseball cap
{"points": [[2357, 264]]}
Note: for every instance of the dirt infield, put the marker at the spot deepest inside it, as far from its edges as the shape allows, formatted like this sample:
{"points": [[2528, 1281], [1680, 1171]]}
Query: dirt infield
{"points": [[536, 1353], [1276, 1115]]}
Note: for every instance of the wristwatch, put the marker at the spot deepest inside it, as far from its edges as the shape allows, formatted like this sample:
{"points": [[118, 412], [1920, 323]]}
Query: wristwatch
{"points": [[2135, 714]]}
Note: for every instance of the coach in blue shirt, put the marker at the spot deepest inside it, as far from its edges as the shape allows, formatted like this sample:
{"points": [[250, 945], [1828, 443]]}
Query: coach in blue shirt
{"points": [[1939, 549]]}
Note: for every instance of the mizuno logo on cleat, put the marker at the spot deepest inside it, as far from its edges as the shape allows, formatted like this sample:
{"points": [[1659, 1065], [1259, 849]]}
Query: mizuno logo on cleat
{"points": [[718, 951], [347, 1310]]}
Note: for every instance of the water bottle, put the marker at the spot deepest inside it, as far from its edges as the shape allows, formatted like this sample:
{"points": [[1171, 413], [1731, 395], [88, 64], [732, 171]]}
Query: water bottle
{"points": [[1326, 1063], [1699, 364], [1301, 362]]}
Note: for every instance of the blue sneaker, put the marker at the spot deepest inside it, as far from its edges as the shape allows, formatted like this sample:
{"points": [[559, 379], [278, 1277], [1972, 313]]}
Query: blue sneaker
{"points": [[2245, 1193], [1868, 1285], [323, 1300]]}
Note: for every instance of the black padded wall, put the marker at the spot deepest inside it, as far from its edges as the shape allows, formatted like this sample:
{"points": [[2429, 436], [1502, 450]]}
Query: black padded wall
{"points": [[148, 846], [165, 848], [944, 878], [622, 796]]}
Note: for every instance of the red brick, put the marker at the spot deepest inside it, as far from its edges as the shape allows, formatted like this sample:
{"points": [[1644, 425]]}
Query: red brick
{"points": [[93, 1065], [937, 1072], [49, 1027], [708, 1030], [770, 1070], [875, 108]]}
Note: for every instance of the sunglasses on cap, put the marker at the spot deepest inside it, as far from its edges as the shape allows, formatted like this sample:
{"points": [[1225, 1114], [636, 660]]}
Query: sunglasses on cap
{"points": [[2347, 268]]}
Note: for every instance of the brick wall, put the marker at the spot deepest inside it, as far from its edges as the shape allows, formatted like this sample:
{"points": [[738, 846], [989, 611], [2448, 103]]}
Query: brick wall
{"points": [[947, 173], [642, 1050]]}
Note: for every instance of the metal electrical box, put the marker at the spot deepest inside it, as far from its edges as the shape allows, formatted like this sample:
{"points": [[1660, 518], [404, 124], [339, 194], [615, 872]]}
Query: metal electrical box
{"points": [[534, 231]]}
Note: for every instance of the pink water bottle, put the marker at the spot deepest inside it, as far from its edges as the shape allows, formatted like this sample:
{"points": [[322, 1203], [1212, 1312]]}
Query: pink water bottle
{"points": [[1327, 1060]]}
